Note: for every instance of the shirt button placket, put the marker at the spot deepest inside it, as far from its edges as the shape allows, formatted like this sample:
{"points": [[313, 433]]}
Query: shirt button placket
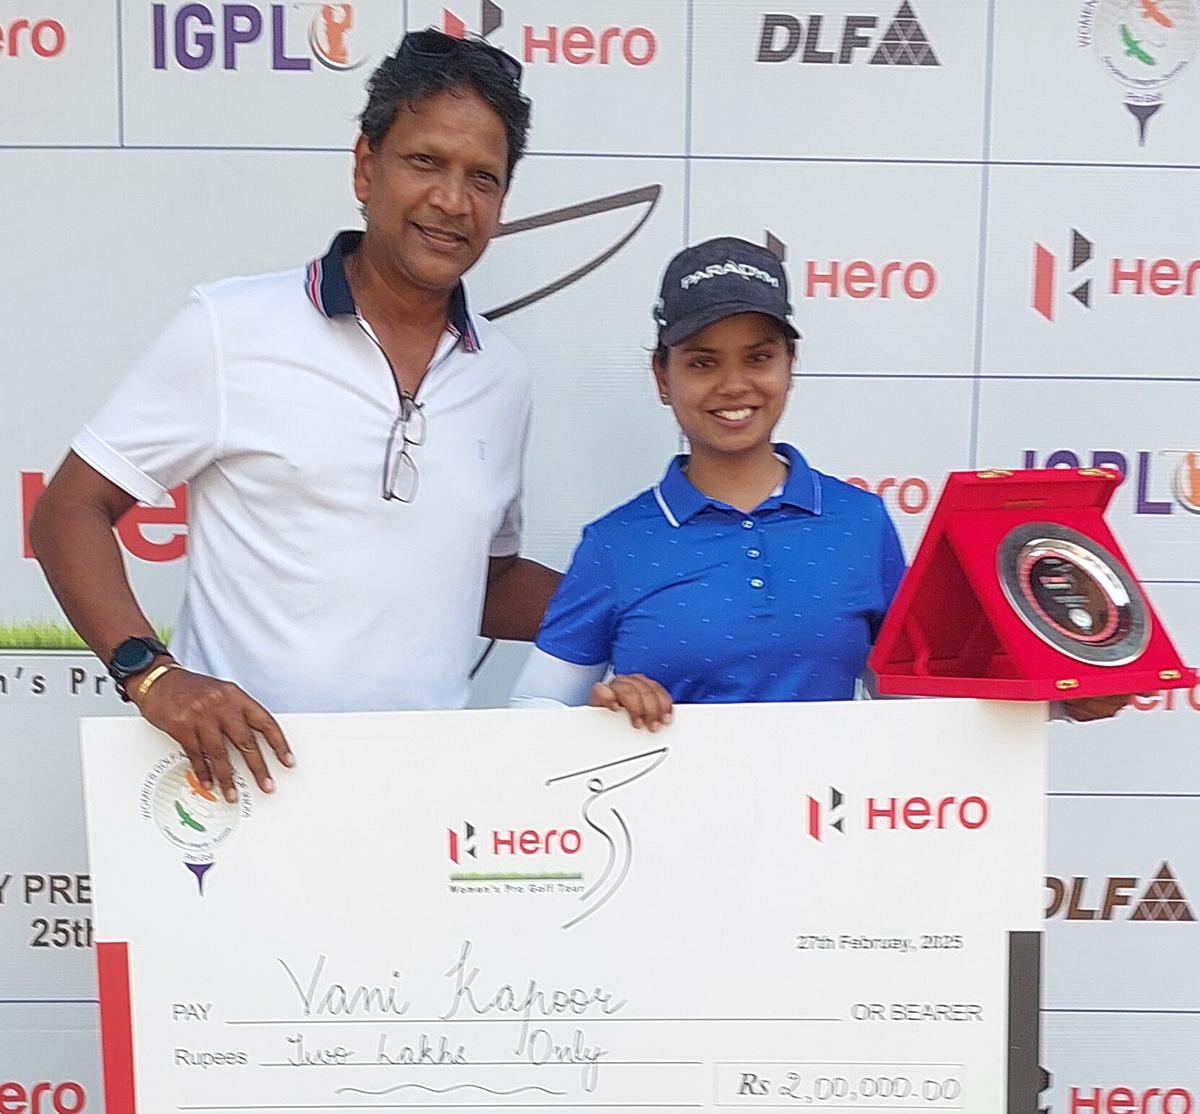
{"points": [[760, 602]]}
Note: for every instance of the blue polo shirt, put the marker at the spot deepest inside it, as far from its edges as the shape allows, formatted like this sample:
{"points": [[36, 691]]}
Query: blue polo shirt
{"points": [[720, 606]]}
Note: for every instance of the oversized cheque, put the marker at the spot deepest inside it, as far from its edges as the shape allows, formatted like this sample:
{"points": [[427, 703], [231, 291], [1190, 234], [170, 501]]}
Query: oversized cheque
{"points": [[826, 906]]}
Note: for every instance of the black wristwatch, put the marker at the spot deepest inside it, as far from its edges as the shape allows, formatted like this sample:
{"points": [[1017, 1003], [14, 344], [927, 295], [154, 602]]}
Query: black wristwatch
{"points": [[133, 656]]}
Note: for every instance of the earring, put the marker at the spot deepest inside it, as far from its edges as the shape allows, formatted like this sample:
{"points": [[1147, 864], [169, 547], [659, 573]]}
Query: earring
{"points": [[664, 396]]}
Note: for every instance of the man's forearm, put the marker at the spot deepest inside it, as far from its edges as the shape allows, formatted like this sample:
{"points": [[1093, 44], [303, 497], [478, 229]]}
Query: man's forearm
{"points": [[517, 594], [81, 559]]}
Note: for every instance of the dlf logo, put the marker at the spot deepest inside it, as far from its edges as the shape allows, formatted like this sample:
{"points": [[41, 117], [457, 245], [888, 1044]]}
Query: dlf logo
{"points": [[463, 844], [1074, 899], [1045, 266], [903, 42], [818, 819]]}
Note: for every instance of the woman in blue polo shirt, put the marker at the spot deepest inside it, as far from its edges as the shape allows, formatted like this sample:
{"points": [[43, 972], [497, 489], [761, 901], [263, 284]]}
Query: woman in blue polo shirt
{"points": [[744, 574]]}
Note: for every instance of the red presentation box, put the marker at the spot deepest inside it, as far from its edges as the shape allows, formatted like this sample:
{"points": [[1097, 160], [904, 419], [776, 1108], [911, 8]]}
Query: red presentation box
{"points": [[1019, 591]]}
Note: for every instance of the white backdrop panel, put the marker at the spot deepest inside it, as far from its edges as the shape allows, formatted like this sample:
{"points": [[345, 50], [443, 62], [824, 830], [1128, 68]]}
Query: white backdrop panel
{"points": [[58, 83], [248, 75], [1056, 99], [1150, 216], [1110, 1051], [1150, 748], [605, 77], [917, 216], [1107, 959], [824, 108], [883, 429]]}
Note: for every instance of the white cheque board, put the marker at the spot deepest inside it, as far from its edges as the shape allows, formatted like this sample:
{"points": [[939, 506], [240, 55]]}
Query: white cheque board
{"points": [[807, 906]]}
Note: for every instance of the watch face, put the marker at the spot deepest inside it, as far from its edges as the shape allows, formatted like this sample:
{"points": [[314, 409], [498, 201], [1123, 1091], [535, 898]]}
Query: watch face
{"points": [[1073, 594], [132, 656]]}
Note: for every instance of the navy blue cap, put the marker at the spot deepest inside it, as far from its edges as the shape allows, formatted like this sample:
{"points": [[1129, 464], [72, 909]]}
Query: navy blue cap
{"points": [[717, 279]]}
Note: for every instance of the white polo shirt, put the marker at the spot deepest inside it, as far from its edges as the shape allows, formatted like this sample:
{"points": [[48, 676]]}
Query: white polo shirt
{"points": [[305, 586]]}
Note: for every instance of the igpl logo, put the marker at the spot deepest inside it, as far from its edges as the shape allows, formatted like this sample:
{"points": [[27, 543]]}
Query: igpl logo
{"points": [[196, 32], [1185, 481]]}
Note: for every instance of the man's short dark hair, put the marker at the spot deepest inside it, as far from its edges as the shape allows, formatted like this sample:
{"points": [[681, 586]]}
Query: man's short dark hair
{"points": [[402, 81]]}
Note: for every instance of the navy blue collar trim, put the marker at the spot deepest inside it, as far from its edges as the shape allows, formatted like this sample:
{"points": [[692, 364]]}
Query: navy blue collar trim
{"points": [[328, 289], [679, 500]]}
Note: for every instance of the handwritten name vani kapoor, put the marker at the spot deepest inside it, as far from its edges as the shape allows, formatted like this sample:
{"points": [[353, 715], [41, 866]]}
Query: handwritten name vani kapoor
{"points": [[527, 1004]]}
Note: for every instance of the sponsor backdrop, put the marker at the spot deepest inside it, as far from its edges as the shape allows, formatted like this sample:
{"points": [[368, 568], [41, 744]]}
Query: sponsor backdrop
{"points": [[988, 210]]}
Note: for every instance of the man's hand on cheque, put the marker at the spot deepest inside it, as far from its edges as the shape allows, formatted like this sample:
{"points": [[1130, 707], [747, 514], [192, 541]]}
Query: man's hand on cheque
{"points": [[202, 715]]}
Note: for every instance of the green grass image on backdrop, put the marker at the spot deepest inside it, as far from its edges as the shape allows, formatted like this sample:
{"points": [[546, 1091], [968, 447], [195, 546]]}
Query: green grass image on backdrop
{"points": [[46, 636]]}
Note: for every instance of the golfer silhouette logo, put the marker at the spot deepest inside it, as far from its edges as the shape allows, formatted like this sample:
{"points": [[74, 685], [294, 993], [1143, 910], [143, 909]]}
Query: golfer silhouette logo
{"points": [[600, 813]]}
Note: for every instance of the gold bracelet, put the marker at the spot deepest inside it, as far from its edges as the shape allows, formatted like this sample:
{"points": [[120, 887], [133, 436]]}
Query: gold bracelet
{"points": [[153, 675]]}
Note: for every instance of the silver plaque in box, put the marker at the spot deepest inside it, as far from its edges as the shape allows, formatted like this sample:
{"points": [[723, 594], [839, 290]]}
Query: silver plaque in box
{"points": [[1073, 593]]}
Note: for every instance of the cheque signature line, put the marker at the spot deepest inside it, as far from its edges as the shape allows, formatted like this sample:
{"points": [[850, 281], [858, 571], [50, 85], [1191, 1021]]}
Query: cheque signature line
{"points": [[504, 1064], [518, 1019]]}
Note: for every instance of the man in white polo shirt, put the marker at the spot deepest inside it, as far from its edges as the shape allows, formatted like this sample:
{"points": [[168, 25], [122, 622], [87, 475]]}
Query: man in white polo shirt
{"points": [[353, 439]]}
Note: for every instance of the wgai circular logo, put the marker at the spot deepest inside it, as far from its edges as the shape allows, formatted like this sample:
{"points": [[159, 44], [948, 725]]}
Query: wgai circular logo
{"points": [[1143, 44], [196, 820]]}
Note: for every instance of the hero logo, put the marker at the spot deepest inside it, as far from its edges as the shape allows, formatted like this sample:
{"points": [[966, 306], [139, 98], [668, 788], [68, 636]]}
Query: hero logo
{"points": [[1168, 700], [47, 38], [859, 279], [1132, 1100], [196, 34], [131, 528], [1079, 899], [900, 814], [911, 495], [576, 45], [512, 841], [42, 1098], [903, 42], [1164, 277], [817, 818], [1185, 475]]}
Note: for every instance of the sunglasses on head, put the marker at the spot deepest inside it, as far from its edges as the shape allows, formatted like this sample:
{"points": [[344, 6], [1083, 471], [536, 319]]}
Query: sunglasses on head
{"points": [[432, 46]]}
